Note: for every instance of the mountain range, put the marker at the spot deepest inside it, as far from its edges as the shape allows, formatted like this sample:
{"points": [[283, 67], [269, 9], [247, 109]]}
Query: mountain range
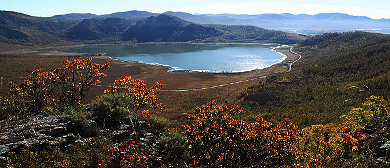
{"points": [[133, 26], [302, 23]]}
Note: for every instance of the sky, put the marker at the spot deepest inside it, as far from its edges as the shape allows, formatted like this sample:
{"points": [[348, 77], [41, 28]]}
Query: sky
{"points": [[376, 9]]}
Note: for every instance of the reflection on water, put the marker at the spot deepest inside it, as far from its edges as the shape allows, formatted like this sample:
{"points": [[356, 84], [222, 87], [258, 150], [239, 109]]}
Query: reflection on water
{"points": [[192, 57]]}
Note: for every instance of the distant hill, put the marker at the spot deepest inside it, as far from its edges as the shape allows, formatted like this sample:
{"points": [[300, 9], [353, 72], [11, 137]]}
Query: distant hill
{"points": [[202, 19], [24, 29], [302, 23], [134, 14], [76, 16], [130, 14], [319, 22]]}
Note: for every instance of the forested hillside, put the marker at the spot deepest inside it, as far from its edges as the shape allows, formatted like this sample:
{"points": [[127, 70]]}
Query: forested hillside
{"points": [[98, 29], [345, 69], [18, 28], [168, 28]]}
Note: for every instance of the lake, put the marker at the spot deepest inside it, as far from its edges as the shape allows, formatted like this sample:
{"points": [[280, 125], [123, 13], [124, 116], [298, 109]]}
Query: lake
{"points": [[215, 58]]}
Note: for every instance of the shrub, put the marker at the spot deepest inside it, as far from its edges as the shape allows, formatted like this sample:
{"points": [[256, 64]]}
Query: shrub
{"points": [[9, 107], [109, 109], [19, 101], [66, 86], [172, 148], [75, 78], [323, 144], [160, 124], [373, 110], [93, 153], [129, 154], [77, 116], [217, 138], [36, 90], [136, 89]]}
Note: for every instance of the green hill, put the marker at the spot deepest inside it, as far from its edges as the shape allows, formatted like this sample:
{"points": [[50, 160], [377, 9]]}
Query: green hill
{"points": [[338, 71]]}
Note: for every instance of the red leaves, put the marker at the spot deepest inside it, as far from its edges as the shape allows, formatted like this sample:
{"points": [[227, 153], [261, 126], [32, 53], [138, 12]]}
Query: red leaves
{"points": [[354, 138], [137, 90], [34, 92], [215, 135], [76, 77], [67, 85], [346, 130], [129, 154]]}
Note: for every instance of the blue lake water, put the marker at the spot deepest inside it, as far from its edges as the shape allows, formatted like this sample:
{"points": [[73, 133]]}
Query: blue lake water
{"points": [[192, 57]]}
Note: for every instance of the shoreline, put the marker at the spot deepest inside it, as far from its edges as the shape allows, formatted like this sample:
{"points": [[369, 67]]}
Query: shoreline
{"points": [[276, 49], [34, 48], [157, 72], [171, 69]]}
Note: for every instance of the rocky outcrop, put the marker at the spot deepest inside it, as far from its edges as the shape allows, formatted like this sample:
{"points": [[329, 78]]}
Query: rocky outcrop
{"points": [[41, 131], [378, 143], [46, 130]]}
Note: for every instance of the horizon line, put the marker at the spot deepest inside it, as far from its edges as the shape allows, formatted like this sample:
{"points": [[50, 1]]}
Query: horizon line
{"points": [[199, 13]]}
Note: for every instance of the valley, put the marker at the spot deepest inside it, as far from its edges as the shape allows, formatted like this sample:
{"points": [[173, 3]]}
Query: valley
{"points": [[73, 94]]}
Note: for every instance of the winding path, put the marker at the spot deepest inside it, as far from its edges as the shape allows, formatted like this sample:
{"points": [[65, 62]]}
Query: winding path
{"points": [[290, 63], [232, 83]]}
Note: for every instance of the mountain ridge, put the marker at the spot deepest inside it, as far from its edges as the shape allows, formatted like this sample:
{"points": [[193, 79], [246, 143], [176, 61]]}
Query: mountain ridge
{"points": [[24, 29], [125, 15], [322, 22]]}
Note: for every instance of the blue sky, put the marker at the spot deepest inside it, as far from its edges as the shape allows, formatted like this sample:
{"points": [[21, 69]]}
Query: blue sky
{"points": [[372, 8]]}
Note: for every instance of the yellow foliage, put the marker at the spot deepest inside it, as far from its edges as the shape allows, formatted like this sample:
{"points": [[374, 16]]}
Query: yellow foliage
{"points": [[326, 145], [322, 144], [374, 109], [284, 79]]}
